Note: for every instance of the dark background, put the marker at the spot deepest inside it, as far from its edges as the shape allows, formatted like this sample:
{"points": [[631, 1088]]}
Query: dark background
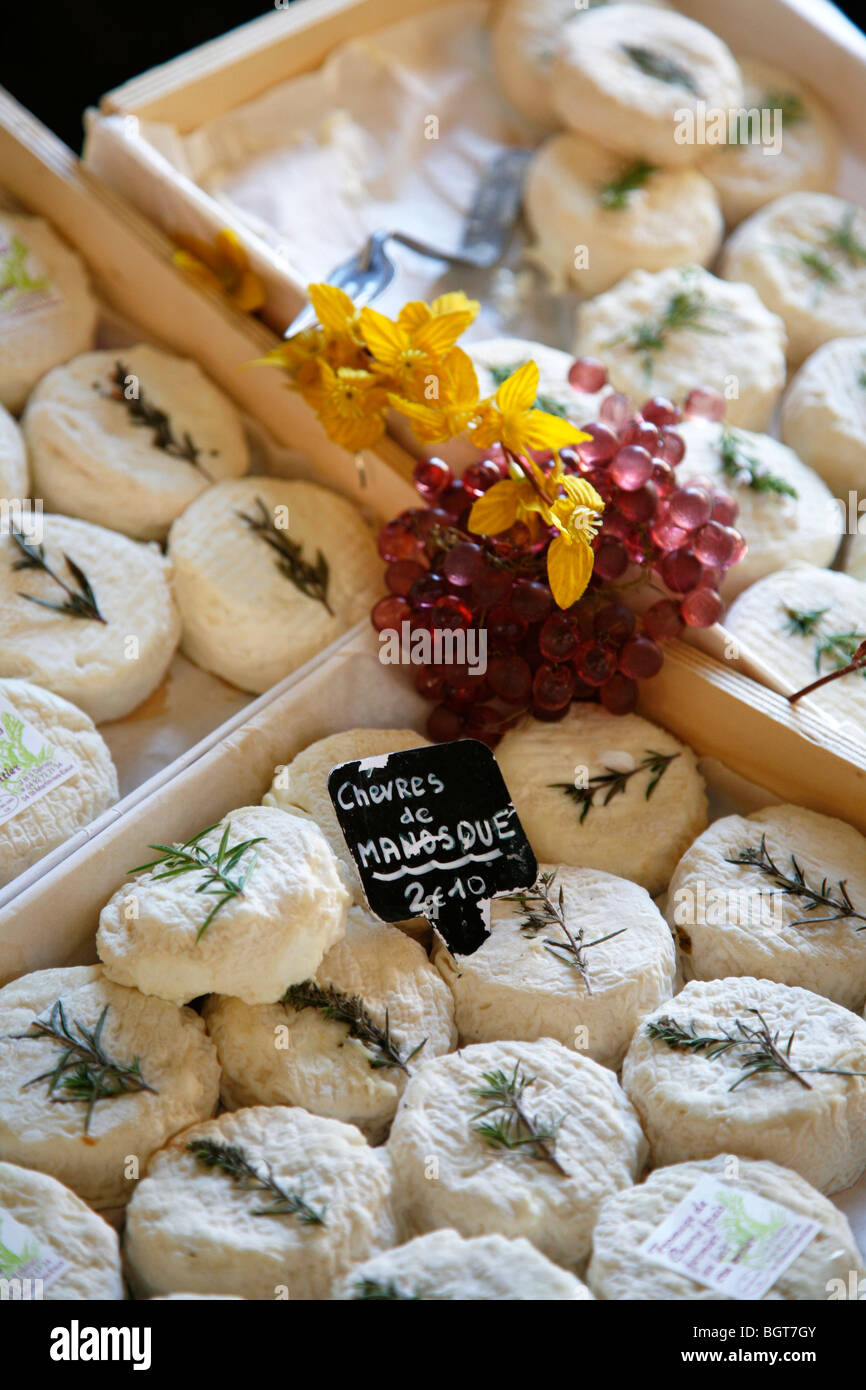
{"points": [[57, 59]]}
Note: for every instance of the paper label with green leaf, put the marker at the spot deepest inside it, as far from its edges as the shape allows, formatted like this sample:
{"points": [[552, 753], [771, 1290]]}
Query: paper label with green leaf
{"points": [[24, 286], [30, 767], [729, 1238], [23, 1257]]}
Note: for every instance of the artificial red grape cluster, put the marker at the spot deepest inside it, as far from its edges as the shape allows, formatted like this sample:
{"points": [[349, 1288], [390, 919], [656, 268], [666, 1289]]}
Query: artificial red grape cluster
{"points": [[679, 540]]}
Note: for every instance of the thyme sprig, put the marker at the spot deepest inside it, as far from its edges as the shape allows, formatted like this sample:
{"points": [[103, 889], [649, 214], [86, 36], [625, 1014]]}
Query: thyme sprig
{"points": [[514, 1128], [744, 469], [616, 193], [686, 309], [143, 412], [374, 1290], [842, 239], [542, 912], [613, 782], [231, 1159], [762, 1051], [661, 67], [218, 867], [332, 1003], [85, 1072], [846, 650], [794, 885], [80, 601], [311, 580]]}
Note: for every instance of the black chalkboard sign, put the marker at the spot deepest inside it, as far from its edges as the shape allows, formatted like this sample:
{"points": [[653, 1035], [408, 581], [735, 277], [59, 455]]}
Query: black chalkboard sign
{"points": [[434, 834]]}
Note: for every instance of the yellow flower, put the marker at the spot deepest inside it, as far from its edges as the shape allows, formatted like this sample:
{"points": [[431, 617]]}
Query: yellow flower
{"points": [[410, 350], [351, 405], [222, 266], [511, 419], [453, 400]]}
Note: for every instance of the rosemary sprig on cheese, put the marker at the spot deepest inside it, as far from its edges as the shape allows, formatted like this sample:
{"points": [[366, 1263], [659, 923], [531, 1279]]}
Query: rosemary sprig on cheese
{"points": [[310, 579], [84, 1072], [761, 1050], [613, 782], [794, 885], [231, 1159], [143, 412], [15, 278], [660, 66], [80, 600], [839, 648], [615, 195], [217, 866], [513, 1128], [373, 1290], [686, 309], [745, 470], [379, 1042], [542, 912]]}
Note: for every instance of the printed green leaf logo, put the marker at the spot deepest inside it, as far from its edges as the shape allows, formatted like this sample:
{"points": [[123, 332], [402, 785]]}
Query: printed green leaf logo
{"points": [[15, 758], [747, 1237], [15, 279], [11, 1264]]}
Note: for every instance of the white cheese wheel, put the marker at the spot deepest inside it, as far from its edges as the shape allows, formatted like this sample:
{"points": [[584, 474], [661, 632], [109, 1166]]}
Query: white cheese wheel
{"points": [[47, 313], [626, 74], [14, 480], [492, 357], [764, 621], [789, 252], [824, 415], [443, 1267], [636, 836], [273, 933], [688, 1109], [520, 983], [176, 1059], [275, 1054], [243, 617], [729, 919], [107, 668], [619, 1271], [194, 1229], [734, 343], [446, 1174], [796, 150], [774, 524], [52, 818], [672, 218], [94, 458], [62, 1230]]}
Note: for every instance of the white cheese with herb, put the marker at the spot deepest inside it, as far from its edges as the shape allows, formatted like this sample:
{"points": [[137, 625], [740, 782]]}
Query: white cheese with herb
{"points": [[824, 419], [48, 1234]]}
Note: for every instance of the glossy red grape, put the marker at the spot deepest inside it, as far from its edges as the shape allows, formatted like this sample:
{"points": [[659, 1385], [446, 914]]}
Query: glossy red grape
{"points": [[642, 433], [491, 587], [510, 677], [681, 571], [530, 600], [726, 508], [398, 541], [705, 403], [463, 563], [481, 476], [454, 499], [504, 627], [713, 544], [601, 446], [619, 694], [450, 611], [390, 612], [660, 411], [641, 658], [430, 477], [614, 623], [401, 575], [667, 536], [631, 467], [587, 374], [689, 507], [738, 551], [702, 608], [663, 478], [429, 681], [557, 640], [615, 410], [445, 724], [426, 589], [594, 663], [663, 620], [640, 505], [553, 686], [611, 558], [672, 447]]}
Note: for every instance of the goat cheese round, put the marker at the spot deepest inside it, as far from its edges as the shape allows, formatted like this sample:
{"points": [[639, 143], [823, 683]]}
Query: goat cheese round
{"points": [[619, 1270], [261, 596], [495, 359], [789, 145], [801, 623], [695, 1102], [148, 1067], [633, 78], [248, 923], [560, 777], [587, 983], [47, 313], [115, 645], [805, 254], [737, 918], [345, 1044], [526, 37], [824, 415], [50, 1234], [666, 333], [38, 729], [443, 1267], [129, 438], [784, 508], [447, 1173], [595, 215], [14, 481], [192, 1227]]}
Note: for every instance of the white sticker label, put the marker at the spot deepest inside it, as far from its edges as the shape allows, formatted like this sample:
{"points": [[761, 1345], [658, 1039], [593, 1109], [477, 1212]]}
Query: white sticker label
{"points": [[22, 1257], [29, 766], [730, 1239]]}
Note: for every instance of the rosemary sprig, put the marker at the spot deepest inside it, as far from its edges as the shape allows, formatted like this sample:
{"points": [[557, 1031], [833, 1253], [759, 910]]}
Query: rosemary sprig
{"points": [[311, 580], [143, 412], [80, 601], [802, 621], [542, 912], [615, 194], [842, 239], [762, 1050], [744, 469], [514, 1129], [217, 866], [370, 1290], [841, 648], [686, 309], [659, 66], [84, 1071], [382, 1047], [231, 1159], [794, 885], [613, 783]]}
